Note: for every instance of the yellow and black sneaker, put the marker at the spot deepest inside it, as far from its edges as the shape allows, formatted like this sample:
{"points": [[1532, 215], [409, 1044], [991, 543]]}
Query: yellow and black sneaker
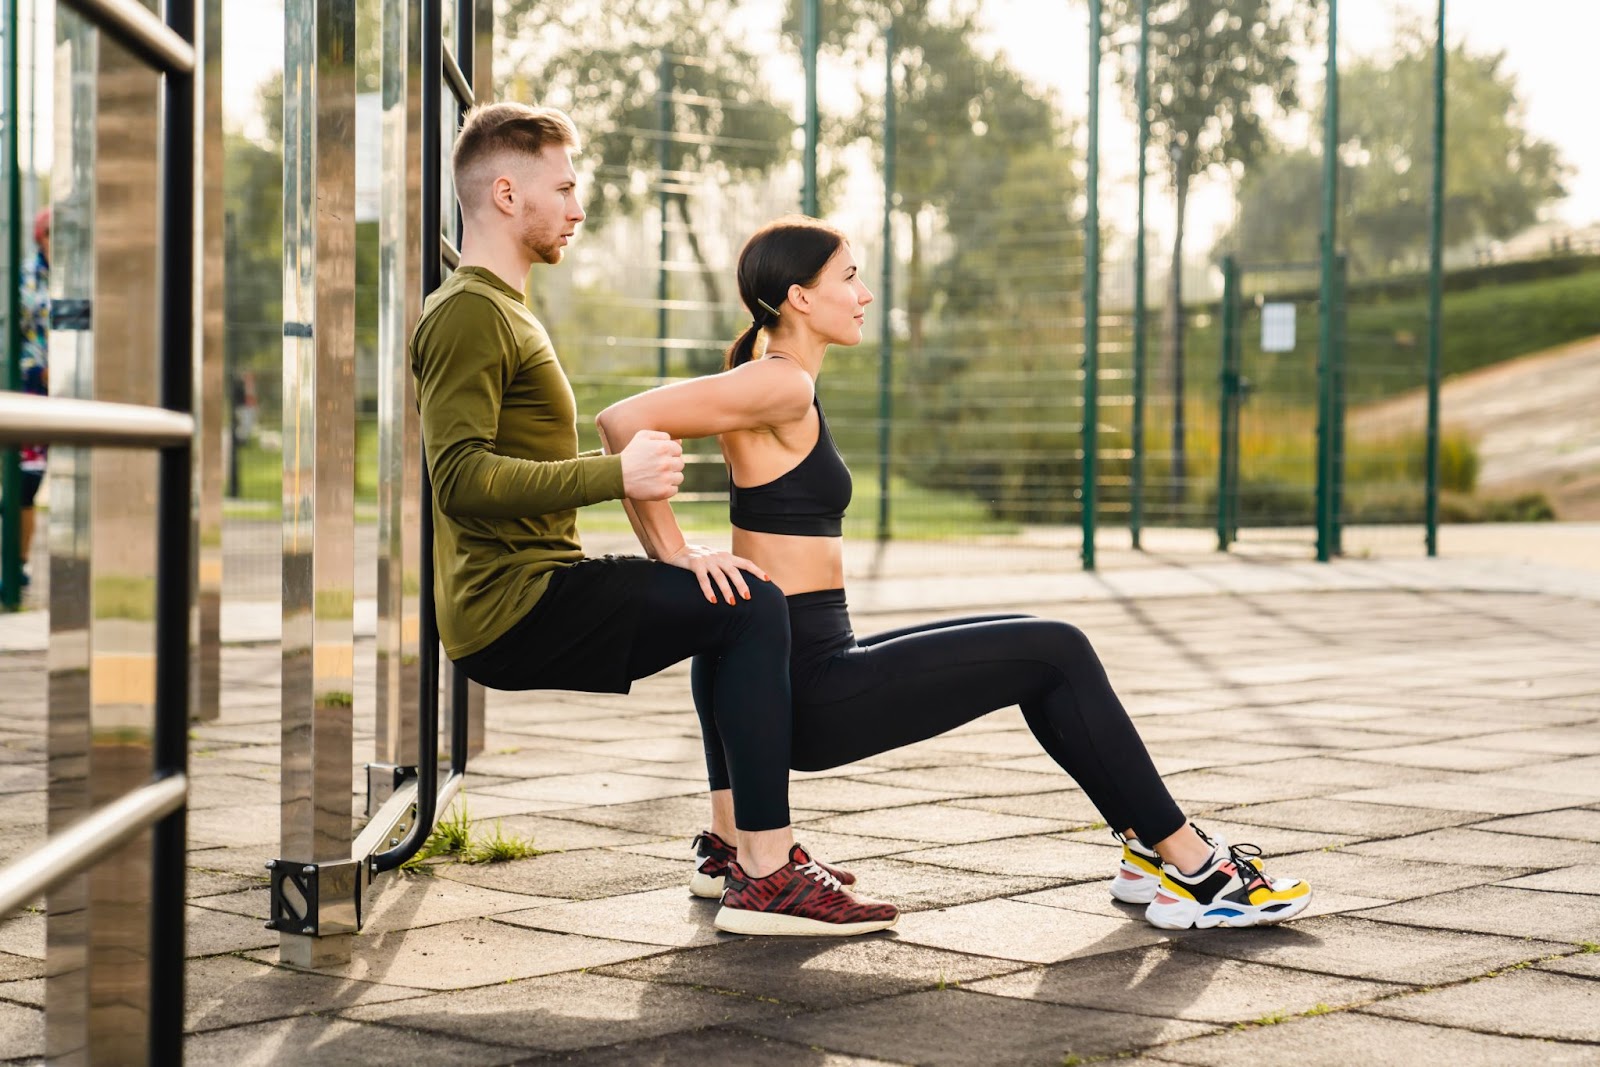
{"points": [[1230, 890], [1138, 874]]}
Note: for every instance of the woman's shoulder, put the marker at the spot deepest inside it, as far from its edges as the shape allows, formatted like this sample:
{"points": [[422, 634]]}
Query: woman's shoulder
{"points": [[783, 387]]}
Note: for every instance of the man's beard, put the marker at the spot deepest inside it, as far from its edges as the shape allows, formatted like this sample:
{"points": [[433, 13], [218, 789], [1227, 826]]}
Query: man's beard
{"points": [[541, 249]]}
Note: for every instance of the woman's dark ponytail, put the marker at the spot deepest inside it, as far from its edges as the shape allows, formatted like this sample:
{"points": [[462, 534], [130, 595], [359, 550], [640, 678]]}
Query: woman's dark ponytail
{"points": [[791, 250]]}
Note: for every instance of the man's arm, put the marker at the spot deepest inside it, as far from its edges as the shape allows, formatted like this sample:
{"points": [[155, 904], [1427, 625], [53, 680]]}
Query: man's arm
{"points": [[463, 359]]}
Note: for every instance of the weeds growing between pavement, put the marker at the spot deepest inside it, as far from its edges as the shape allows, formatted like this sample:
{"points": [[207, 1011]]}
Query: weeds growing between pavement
{"points": [[453, 841]]}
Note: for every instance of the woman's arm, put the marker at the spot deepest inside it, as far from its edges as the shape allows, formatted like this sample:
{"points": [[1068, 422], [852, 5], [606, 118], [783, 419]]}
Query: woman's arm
{"points": [[747, 397]]}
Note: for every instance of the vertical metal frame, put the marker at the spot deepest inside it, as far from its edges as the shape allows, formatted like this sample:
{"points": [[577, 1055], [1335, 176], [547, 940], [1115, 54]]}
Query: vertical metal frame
{"points": [[1228, 417], [319, 460], [1325, 308], [886, 283], [1435, 290], [1136, 512], [11, 561], [120, 629], [1091, 302], [209, 389]]}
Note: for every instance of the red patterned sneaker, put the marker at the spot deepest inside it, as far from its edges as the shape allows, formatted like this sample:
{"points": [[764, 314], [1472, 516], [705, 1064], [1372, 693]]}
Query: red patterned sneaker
{"points": [[798, 899], [712, 856]]}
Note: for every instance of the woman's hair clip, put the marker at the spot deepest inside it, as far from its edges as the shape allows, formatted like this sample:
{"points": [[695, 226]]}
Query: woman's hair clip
{"points": [[768, 308]]}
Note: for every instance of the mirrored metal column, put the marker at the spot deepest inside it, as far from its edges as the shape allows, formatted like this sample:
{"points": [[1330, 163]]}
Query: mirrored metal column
{"points": [[399, 429], [103, 542], [66, 991], [319, 460], [205, 683]]}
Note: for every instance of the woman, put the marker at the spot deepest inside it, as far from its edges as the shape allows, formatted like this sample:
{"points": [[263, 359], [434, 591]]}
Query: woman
{"points": [[856, 698]]}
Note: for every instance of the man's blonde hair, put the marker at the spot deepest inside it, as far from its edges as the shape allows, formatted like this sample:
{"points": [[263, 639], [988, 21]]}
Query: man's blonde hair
{"points": [[490, 130]]}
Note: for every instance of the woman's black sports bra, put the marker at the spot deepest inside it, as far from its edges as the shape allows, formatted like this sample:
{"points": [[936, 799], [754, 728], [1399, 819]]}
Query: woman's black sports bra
{"points": [[808, 500]]}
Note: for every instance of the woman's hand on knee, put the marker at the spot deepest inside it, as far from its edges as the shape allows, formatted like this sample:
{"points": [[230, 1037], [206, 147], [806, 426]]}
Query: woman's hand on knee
{"points": [[717, 571]]}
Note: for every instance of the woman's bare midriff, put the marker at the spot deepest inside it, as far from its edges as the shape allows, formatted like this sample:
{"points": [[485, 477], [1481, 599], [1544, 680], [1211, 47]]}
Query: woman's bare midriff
{"points": [[796, 564]]}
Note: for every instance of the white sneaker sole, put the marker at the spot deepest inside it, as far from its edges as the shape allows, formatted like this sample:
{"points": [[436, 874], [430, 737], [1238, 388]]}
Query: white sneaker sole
{"points": [[1191, 914], [707, 887], [1134, 891], [773, 924]]}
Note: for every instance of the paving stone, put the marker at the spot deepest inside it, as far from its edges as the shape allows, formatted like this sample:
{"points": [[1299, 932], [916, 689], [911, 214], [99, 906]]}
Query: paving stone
{"points": [[1009, 929], [23, 935], [1583, 878], [534, 761], [658, 917], [313, 1039], [1459, 845], [1337, 771], [675, 816], [1448, 756], [1498, 910], [1359, 948], [855, 795], [1584, 964], [1039, 857], [1373, 876], [1220, 752], [402, 901], [1345, 1038], [932, 823], [1579, 739], [470, 953], [814, 972], [1160, 981], [958, 1028], [919, 886], [1459, 796], [245, 824], [1522, 1004], [21, 1031], [604, 787], [1578, 778], [1067, 806], [975, 781], [29, 992], [566, 1012], [556, 834], [228, 991], [14, 967], [1225, 787], [209, 933], [703, 1046], [1327, 815], [1573, 824], [579, 875]]}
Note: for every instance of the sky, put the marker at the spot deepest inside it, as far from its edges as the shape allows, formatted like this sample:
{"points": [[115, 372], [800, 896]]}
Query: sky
{"points": [[1048, 41]]}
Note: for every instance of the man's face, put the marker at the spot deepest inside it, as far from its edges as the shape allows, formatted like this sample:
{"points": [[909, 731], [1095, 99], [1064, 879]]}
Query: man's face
{"points": [[550, 213]]}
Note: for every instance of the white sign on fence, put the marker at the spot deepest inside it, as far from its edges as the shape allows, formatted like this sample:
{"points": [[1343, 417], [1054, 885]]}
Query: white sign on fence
{"points": [[1277, 327]]}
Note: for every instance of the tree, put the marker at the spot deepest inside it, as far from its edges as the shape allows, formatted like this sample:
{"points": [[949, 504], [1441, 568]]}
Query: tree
{"points": [[1218, 70], [1498, 176], [602, 61]]}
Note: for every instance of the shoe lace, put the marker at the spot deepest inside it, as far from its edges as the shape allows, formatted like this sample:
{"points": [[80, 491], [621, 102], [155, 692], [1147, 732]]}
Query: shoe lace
{"points": [[1246, 857], [821, 874]]}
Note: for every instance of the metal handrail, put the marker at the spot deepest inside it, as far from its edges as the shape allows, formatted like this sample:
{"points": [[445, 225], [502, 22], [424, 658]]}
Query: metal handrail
{"points": [[87, 842], [449, 253], [56, 420], [139, 30], [458, 80]]}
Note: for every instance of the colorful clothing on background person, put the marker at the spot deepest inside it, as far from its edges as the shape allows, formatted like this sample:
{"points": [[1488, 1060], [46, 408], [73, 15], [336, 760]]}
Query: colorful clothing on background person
{"points": [[35, 360]]}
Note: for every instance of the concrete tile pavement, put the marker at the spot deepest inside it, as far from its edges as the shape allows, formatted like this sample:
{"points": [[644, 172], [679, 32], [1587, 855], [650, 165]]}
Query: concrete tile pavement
{"points": [[1419, 739]]}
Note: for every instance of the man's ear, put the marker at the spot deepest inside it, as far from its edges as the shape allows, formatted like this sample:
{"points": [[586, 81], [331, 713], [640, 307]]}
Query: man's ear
{"points": [[503, 195]]}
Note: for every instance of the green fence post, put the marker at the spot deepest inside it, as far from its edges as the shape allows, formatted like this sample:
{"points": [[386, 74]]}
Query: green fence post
{"points": [[11, 477], [1435, 288], [1341, 340], [811, 31], [666, 122], [886, 287], [1227, 397], [1330, 184], [1091, 298], [1136, 515]]}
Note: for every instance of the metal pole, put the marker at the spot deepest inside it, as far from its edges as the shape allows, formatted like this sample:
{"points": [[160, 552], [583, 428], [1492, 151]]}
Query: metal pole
{"points": [[886, 286], [1435, 287], [210, 390], [1330, 185], [1136, 516], [1091, 296], [175, 540], [663, 162], [11, 477], [1228, 395], [811, 32]]}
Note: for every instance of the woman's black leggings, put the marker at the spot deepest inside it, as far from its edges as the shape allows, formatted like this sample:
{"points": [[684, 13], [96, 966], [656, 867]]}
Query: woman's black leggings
{"points": [[854, 699]]}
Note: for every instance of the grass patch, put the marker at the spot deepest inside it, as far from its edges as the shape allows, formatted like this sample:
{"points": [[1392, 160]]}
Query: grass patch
{"points": [[453, 840], [498, 848], [451, 836]]}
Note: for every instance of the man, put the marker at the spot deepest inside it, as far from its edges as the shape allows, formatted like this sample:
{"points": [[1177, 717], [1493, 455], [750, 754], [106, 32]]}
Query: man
{"points": [[519, 605]]}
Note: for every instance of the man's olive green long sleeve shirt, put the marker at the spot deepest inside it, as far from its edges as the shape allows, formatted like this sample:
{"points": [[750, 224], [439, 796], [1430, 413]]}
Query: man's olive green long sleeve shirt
{"points": [[500, 431]]}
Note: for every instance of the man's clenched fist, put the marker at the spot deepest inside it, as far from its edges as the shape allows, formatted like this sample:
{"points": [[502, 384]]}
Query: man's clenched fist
{"points": [[652, 466]]}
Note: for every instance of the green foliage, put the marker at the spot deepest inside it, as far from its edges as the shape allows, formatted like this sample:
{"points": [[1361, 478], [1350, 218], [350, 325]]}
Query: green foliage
{"points": [[1497, 174], [498, 848], [451, 836]]}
